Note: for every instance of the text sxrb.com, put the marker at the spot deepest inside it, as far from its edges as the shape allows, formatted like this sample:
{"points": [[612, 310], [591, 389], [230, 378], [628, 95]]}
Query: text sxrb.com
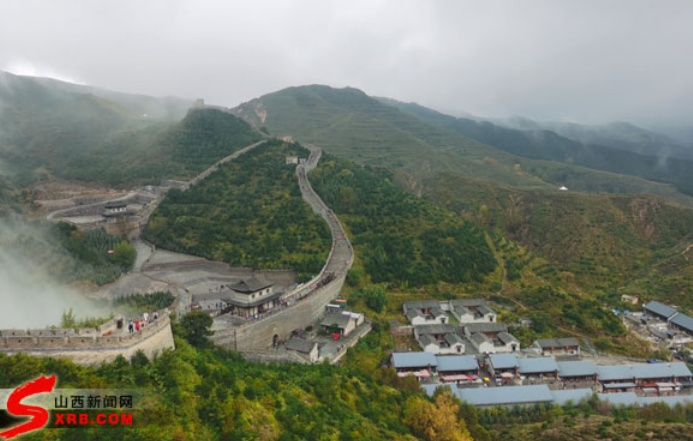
{"points": [[38, 405]]}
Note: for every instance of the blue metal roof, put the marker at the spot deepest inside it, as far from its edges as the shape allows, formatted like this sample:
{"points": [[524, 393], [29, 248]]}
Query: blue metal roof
{"points": [[506, 396], [503, 361], [450, 363], [660, 370], [625, 398], [537, 365], [562, 397], [413, 359], [576, 368], [659, 308], [614, 373]]}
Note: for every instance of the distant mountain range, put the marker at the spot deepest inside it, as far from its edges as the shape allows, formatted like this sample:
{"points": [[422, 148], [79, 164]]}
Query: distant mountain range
{"points": [[424, 143]]}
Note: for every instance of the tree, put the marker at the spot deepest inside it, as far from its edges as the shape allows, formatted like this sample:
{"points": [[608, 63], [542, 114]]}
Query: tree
{"points": [[196, 328], [436, 421], [354, 276], [375, 297], [125, 255]]}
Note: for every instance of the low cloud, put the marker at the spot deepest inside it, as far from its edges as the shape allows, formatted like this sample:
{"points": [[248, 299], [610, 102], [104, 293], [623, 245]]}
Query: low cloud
{"points": [[29, 296]]}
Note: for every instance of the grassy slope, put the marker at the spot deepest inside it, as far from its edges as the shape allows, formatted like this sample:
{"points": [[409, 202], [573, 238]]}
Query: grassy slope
{"points": [[348, 123], [249, 213], [548, 145]]}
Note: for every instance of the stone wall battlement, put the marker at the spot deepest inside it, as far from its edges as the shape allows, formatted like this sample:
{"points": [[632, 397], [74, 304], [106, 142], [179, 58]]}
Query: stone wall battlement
{"points": [[102, 337]]}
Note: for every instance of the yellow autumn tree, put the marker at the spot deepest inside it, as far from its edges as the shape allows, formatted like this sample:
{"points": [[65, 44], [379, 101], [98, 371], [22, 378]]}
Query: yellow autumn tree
{"points": [[437, 421]]}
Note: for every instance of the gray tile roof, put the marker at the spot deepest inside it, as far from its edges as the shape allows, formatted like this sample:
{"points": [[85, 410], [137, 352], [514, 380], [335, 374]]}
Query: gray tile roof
{"points": [[413, 313], [426, 340], [437, 312], [659, 308], [467, 302], [336, 318], [547, 343], [510, 395], [453, 363], [576, 368], [300, 345], [413, 360], [248, 286], [453, 339], [503, 361], [421, 304], [485, 310], [486, 327], [436, 329], [683, 321], [507, 338], [479, 339], [537, 365]]}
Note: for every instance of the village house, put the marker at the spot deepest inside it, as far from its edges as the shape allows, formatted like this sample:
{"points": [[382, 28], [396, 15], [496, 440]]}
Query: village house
{"points": [[457, 368], [503, 366], [659, 310], [682, 322], [344, 322], [308, 350], [472, 311], [440, 339], [425, 312], [420, 364], [491, 338], [538, 367], [618, 378], [577, 371], [558, 346]]}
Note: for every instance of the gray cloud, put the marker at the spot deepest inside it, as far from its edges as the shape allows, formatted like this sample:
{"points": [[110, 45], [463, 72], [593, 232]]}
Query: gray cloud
{"points": [[552, 59]]}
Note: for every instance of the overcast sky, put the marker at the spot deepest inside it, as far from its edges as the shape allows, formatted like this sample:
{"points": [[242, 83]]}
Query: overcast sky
{"points": [[586, 61]]}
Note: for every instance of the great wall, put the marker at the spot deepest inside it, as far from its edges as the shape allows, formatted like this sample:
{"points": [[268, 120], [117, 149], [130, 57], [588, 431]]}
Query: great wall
{"points": [[254, 337], [90, 346]]}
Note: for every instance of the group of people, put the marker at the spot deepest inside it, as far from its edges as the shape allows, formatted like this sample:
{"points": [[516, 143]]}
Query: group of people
{"points": [[136, 324]]}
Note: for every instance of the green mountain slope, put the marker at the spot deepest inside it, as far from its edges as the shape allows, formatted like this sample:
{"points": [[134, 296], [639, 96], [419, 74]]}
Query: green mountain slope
{"points": [[53, 128], [348, 123], [248, 213], [633, 244], [540, 143]]}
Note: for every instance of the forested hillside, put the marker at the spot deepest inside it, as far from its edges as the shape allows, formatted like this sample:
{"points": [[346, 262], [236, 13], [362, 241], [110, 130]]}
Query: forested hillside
{"points": [[207, 394], [248, 213], [401, 239]]}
